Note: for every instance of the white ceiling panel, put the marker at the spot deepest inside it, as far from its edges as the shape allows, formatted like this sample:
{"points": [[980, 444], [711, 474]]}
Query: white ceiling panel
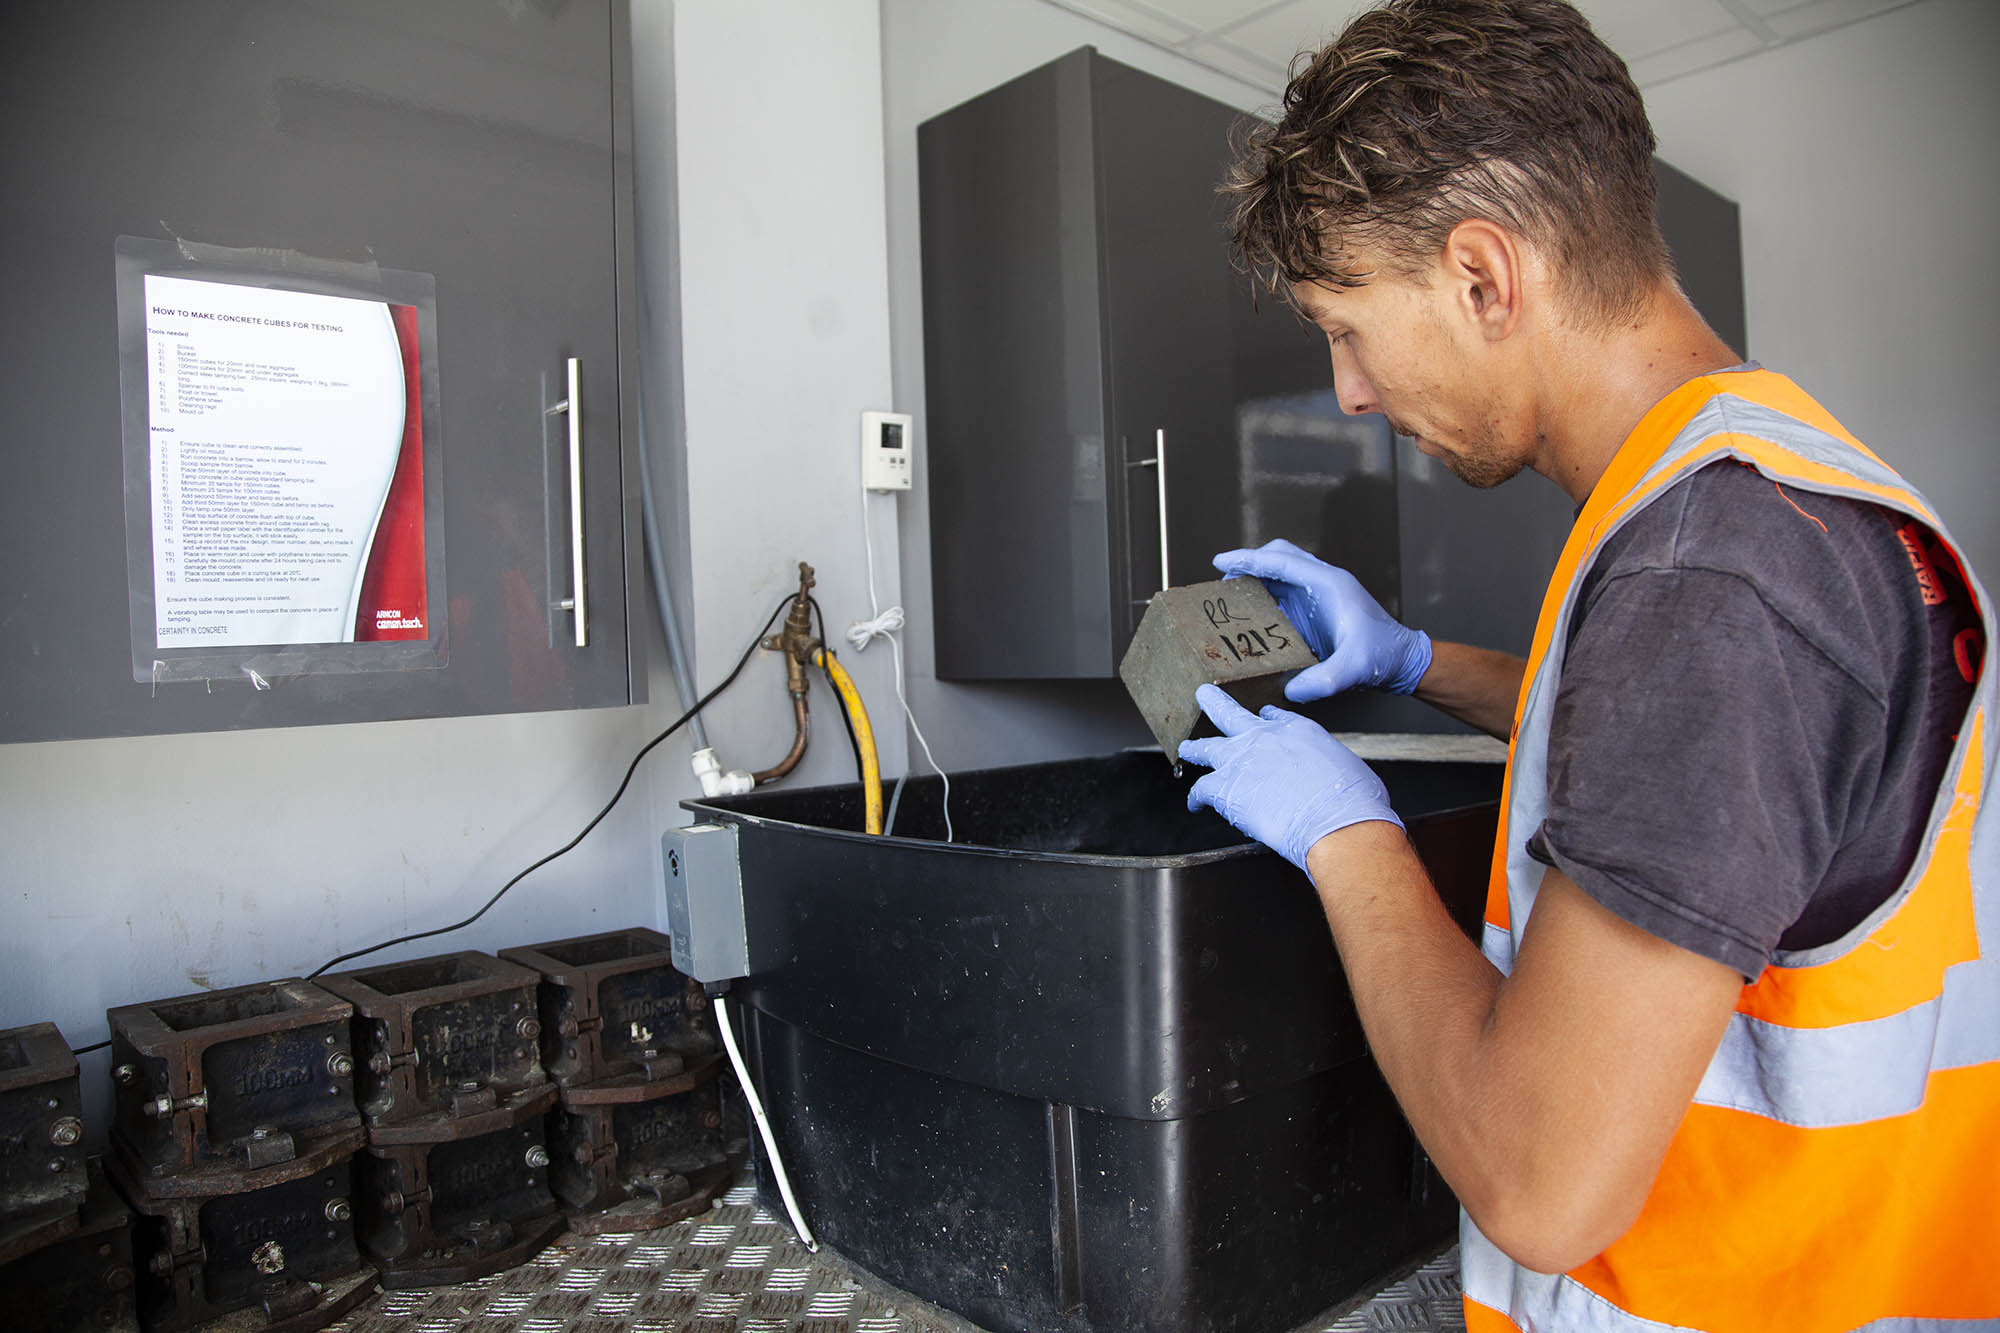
{"points": [[1212, 15], [1689, 56], [1276, 35], [1636, 29], [1805, 20], [1218, 54], [1140, 20], [1255, 40]]}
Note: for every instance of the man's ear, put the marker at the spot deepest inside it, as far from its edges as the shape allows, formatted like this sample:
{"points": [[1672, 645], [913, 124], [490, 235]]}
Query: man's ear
{"points": [[1485, 271]]}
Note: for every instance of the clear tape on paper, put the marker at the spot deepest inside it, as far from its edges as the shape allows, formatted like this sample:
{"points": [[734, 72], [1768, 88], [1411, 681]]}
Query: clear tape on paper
{"points": [[283, 487]]}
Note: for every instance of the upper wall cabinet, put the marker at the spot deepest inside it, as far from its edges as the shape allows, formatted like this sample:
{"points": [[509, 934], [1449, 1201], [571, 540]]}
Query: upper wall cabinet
{"points": [[1106, 406], [1108, 403], [318, 354]]}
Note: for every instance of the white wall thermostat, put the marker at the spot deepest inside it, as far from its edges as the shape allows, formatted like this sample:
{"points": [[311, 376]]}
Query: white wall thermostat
{"points": [[885, 451]]}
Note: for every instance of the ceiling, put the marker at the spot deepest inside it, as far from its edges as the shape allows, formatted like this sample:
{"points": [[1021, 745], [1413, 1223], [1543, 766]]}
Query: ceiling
{"points": [[1255, 40]]}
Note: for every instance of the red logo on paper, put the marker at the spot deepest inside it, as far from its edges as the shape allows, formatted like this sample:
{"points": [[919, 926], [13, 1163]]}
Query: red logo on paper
{"points": [[394, 594]]}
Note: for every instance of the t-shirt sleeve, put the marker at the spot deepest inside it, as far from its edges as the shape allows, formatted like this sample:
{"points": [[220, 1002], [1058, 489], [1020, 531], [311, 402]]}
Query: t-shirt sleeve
{"points": [[1701, 761]]}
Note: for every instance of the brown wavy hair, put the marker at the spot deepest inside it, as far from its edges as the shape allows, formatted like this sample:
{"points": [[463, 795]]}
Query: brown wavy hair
{"points": [[1424, 113]]}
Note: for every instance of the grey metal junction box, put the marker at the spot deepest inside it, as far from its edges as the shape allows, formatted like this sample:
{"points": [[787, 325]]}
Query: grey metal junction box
{"points": [[704, 891]]}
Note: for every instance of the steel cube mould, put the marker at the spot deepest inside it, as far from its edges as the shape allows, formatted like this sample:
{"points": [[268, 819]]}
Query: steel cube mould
{"points": [[1228, 632], [634, 1166], [431, 1214], [614, 1007], [448, 1046], [228, 1090], [286, 1249], [42, 1177], [83, 1280]]}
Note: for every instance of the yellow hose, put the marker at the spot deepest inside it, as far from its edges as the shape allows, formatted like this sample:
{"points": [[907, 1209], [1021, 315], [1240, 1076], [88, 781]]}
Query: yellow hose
{"points": [[864, 736]]}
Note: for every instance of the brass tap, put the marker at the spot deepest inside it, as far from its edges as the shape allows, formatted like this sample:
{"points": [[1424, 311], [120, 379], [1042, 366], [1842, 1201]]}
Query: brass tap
{"points": [[796, 639], [797, 643]]}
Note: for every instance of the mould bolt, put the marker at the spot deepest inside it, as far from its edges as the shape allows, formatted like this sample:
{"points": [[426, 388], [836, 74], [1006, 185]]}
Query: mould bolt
{"points": [[66, 1132], [125, 1075], [337, 1210], [528, 1029], [538, 1156], [340, 1064]]}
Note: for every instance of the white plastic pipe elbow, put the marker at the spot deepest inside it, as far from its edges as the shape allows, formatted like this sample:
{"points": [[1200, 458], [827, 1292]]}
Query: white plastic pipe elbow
{"points": [[714, 781]]}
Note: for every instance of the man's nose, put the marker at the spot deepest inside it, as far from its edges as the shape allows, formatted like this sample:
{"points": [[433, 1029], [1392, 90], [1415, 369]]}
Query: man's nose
{"points": [[1350, 386]]}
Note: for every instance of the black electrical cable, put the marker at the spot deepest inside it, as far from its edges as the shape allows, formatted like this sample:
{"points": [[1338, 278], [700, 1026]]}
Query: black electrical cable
{"points": [[840, 704], [596, 819]]}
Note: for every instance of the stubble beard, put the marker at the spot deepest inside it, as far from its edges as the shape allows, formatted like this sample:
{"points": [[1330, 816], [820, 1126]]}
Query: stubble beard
{"points": [[1483, 468], [1483, 472]]}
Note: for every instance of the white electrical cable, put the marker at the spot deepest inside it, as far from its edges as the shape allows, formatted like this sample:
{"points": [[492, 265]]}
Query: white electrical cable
{"points": [[884, 626], [763, 1124]]}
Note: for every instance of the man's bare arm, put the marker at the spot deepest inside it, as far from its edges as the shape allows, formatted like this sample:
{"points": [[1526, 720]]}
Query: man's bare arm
{"points": [[1547, 1098], [1474, 685]]}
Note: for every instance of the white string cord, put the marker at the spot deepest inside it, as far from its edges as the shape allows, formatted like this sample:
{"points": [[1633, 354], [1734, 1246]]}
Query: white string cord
{"points": [[777, 1164], [884, 625]]}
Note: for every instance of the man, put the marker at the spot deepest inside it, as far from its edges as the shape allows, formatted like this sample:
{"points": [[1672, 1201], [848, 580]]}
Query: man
{"points": [[1731, 1057]]}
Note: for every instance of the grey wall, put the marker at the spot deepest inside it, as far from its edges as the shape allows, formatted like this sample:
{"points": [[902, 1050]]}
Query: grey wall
{"points": [[1864, 163], [785, 341]]}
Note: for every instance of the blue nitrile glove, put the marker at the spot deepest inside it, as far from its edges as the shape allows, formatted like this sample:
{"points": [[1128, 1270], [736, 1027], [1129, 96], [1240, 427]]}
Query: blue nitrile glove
{"points": [[1280, 778], [1353, 637]]}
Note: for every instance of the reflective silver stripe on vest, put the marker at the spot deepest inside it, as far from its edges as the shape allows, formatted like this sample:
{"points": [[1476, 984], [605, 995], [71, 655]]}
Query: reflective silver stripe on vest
{"points": [[1742, 417], [1546, 1303], [1538, 1302]]}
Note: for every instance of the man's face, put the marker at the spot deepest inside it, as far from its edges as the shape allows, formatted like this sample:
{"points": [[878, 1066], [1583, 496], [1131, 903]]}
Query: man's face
{"points": [[1401, 345]]}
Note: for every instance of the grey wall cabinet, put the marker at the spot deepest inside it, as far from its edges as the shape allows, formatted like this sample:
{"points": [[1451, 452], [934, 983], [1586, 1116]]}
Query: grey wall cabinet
{"points": [[1083, 334], [1080, 311], [479, 148]]}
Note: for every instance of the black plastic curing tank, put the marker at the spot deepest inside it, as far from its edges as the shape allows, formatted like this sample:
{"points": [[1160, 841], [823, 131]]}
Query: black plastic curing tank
{"points": [[1092, 1065]]}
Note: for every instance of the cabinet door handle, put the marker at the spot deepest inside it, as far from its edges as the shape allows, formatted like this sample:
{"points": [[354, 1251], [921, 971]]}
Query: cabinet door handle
{"points": [[574, 603], [1158, 462], [1160, 476]]}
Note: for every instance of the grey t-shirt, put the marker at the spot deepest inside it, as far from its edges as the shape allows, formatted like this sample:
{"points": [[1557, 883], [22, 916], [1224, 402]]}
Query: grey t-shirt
{"points": [[1761, 691]]}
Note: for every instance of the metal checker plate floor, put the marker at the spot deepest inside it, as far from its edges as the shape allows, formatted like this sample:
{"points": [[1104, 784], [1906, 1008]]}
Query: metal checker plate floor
{"points": [[738, 1269]]}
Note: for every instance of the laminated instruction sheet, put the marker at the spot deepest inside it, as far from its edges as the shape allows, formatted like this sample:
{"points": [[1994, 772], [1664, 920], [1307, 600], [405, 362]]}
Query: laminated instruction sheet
{"points": [[286, 466]]}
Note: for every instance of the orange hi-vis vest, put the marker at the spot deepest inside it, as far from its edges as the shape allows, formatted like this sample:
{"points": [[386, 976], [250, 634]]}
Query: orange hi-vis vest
{"points": [[1839, 1167]]}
